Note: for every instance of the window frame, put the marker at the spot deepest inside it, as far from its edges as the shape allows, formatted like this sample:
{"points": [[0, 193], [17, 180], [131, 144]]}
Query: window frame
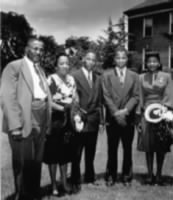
{"points": [[144, 27], [170, 23]]}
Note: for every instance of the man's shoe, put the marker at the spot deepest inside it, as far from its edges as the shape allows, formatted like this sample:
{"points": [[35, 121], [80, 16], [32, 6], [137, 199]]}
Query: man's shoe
{"points": [[126, 180], [159, 181], [76, 188], [150, 180], [110, 181]]}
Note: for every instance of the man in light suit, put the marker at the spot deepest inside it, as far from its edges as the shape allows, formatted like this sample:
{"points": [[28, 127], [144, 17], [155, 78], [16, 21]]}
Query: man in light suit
{"points": [[26, 108], [90, 98], [121, 96]]}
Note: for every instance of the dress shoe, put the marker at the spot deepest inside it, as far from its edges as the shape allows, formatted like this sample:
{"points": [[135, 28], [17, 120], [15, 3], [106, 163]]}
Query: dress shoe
{"points": [[149, 180], [110, 181], [159, 181], [76, 188], [65, 190], [126, 180], [93, 184]]}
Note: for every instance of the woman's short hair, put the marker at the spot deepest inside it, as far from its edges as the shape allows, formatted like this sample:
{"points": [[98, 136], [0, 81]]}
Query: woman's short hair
{"points": [[153, 54], [60, 55]]}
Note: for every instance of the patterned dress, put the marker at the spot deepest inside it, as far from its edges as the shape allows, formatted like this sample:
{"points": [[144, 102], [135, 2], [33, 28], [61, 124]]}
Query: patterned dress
{"points": [[154, 88], [59, 145]]}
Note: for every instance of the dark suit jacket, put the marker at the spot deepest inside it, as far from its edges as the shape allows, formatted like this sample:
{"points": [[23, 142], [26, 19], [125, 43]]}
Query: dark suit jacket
{"points": [[118, 97], [17, 96], [90, 99]]}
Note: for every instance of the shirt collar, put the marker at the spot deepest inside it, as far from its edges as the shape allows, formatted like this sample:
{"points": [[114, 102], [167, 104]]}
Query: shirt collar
{"points": [[85, 71], [28, 61], [124, 69]]}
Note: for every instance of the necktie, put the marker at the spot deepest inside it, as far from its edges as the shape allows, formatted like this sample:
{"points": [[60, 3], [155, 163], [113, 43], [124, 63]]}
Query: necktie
{"points": [[41, 81], [121, 77], [90, 79]]}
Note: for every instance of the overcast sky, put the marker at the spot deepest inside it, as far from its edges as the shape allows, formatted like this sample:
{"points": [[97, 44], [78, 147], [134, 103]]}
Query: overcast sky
{"points": [[64, 18]]}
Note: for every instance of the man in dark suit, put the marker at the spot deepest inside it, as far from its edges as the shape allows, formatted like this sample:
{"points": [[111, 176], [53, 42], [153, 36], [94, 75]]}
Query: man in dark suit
{"points": [[121, 95], [26, 106], [89, 91]]}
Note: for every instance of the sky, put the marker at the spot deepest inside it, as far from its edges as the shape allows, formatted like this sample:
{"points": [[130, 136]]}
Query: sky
{"points": [[65, 18]]}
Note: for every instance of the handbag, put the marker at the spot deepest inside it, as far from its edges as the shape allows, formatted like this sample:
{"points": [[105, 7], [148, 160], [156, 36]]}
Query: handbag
{"points": [[58, 120], [164, 134]]}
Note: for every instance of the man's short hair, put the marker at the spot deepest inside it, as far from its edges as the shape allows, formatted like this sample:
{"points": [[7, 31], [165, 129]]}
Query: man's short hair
{"points": [[121, 49], [33, 38]]}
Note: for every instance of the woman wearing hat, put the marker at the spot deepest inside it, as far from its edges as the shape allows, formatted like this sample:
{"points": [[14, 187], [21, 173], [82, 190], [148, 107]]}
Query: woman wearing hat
{"points": [[155, 87]]}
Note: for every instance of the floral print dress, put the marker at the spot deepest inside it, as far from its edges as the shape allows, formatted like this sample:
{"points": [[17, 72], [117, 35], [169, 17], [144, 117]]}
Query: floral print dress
{"points": [[57, 150]]}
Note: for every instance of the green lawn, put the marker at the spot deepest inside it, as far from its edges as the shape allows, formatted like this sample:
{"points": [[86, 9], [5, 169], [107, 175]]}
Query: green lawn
{"points": [[118, 192]]}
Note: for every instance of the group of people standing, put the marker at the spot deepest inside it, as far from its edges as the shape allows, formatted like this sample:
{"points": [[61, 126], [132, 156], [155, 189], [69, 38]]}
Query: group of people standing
{"points": [[40, 117]]}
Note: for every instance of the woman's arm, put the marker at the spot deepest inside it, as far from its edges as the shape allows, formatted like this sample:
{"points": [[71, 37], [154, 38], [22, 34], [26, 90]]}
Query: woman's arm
{"points": [[168, 93], [56, 106]]}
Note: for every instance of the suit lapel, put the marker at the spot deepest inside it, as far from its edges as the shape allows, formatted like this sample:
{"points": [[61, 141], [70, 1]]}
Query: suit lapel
{"points": [[27, 76], [115, 82], [127, 83], [84, 82], [93, 90]]}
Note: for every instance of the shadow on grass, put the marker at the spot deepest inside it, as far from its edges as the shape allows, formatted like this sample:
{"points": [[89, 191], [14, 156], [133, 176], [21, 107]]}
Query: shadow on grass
{"points": [[45, 191], [139, 177], [167, 180]]}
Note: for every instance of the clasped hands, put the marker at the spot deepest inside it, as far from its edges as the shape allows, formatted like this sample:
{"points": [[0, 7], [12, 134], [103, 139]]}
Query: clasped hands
{"points": [[120, 116]]}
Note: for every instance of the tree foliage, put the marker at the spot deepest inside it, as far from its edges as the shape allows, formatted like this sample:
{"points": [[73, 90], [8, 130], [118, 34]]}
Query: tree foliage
{"points": [[51, 50], [115, 36], [15, 31]]}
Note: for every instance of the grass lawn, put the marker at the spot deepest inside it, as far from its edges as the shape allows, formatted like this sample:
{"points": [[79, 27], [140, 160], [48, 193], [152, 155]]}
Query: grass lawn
{"points": [[118, 192]]}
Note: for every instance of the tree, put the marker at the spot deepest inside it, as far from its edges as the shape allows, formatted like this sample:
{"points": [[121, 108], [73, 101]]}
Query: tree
{"points": [[15, 31], [76, 47], [115, 36], [51, 51]]}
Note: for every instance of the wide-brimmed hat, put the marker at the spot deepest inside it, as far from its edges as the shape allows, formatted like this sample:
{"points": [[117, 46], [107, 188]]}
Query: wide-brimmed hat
{"points": [[154, 112]]}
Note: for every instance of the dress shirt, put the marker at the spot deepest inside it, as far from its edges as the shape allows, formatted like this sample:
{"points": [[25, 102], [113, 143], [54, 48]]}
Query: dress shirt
{"points": [[88, 75], [38, 91], [121, 73]]}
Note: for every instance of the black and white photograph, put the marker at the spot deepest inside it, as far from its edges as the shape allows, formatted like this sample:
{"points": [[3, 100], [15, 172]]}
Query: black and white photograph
{"points": [[86, 99]]}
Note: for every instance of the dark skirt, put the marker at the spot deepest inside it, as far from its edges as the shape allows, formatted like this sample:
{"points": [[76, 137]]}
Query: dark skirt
{"points": [[59, 146], [149, 140]]}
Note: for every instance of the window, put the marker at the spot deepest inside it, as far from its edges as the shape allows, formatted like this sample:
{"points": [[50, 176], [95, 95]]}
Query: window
{"points": [[171, 23], [148, 27]]}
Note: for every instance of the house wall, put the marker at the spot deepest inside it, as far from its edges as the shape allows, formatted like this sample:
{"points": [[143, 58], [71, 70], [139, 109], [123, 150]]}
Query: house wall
{"points": [[157, 42]]}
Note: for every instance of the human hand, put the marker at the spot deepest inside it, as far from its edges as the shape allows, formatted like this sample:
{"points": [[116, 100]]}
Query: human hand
{"points": [[120, 119], [79, 124], [122, 112], [101, 129], [17, 134]]}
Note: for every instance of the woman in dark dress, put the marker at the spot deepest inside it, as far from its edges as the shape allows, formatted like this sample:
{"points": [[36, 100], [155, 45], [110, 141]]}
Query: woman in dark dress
{"points": [[155, 87], [59, 145]]}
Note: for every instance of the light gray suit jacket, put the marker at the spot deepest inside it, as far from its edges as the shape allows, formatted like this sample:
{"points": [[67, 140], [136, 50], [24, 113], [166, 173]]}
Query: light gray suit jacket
{"points": [[17, 96]]}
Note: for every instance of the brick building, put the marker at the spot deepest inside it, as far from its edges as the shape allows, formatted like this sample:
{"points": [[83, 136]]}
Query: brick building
{"points": [[150, 26]]}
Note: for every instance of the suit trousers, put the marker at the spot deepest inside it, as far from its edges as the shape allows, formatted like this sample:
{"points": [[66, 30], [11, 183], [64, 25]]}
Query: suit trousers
{"points": [[86, 141], [27, 155], [115, 134]]}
